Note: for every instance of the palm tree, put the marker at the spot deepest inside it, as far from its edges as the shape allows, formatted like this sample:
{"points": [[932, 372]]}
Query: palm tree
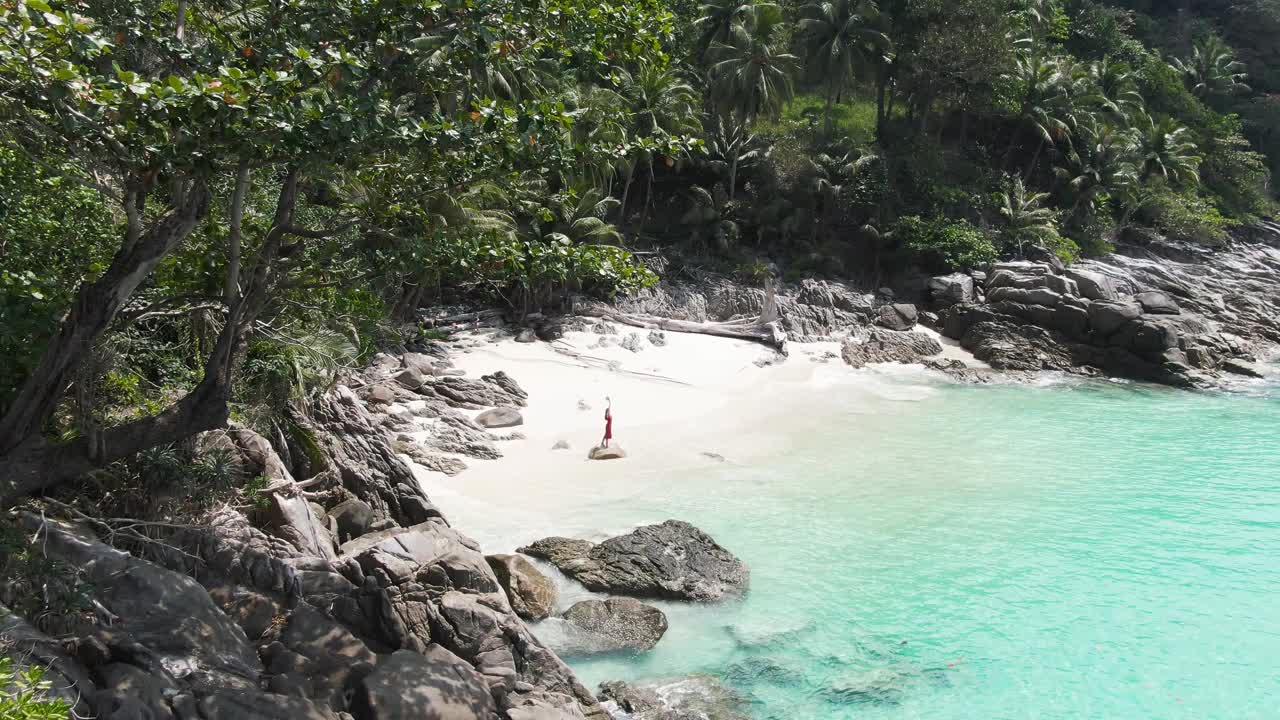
{"points": [[749, 78], [1045, 104], [718, 18], [1100, 163], [1165, 148], [1027, 217], [842, 37], [601, 128], [1212, 69], [729, 144], [584, 220], [1117, 89], [660, 103]]}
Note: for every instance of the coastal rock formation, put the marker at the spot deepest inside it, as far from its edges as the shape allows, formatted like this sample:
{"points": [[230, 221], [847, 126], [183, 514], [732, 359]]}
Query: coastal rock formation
{"points": [[888, 346], [812, 310], [673, 560], [618, 623], [532, 595], [1163, 310], [898, 316], [233, 619]]}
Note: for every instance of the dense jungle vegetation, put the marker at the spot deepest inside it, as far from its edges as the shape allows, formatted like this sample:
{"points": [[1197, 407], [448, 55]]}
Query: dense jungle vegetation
{"points": [[208, 207]]}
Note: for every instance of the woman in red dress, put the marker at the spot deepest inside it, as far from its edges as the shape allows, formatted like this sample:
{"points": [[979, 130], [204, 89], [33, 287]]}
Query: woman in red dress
{"points": [[608, 424]]}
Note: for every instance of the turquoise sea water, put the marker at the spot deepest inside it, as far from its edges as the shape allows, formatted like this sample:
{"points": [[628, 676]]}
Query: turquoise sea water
{"points": [[1078, 551]]}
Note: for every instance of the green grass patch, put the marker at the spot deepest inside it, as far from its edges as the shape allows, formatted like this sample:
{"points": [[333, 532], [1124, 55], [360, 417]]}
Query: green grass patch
{"points": [[854, 118]]}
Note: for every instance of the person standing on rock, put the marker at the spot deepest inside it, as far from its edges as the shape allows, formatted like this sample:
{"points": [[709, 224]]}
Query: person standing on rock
{"points": [[608, 423]]}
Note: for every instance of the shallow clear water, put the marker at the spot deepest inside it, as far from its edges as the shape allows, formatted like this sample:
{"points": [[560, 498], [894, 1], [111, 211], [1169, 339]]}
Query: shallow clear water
{"points": [[1077, 551]]}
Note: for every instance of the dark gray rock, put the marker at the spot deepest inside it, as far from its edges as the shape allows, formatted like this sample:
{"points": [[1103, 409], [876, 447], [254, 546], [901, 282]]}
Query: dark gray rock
{"points": [[693, 697], [354, 518], [952, 289], [1093, 285], [633, 342], [362, 455], [889, 346], [657, 338], [532, 595], [526, 335], [618, 623], [1157, 303], [434, 684], [613, 452], [672, 560], [1243, 367], [500, 417], [1106, 317], [252, 705], [900, 316]]}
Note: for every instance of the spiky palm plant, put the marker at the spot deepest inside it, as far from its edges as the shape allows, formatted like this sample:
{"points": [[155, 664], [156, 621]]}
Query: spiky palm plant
{"points": [[1026, 217], [718, 18], [659, 102], [1100, 163], [1045, 103], [1166, 149], [1117, 90], [1212, 69], [730, 145], [749, 78]]}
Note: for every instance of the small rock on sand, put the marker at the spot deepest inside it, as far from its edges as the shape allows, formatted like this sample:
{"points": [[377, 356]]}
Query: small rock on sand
{"points": [[613, 452], [500, 417], [560, 445]]}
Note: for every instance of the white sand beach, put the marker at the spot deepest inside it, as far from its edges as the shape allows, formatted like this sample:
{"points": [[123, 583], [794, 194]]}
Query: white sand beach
{"points": [[695, 402]]}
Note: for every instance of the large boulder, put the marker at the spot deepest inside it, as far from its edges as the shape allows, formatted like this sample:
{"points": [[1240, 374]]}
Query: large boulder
{"points": [[500, 417], [618, 623], [1157, 303], [1106, 317], [532, 594], [672, 560], [435, 684], [1093, 285], [952, 289], [899, 316], [887, 346]]}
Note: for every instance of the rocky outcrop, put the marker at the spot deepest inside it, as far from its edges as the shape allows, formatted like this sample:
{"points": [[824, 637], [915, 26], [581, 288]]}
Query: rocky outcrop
{"points": [[898, 316], [1163, 311], [432, 684], [532, 595], [693, 697], [811, 310], [617, 624], [877, 345], [673, 560]]}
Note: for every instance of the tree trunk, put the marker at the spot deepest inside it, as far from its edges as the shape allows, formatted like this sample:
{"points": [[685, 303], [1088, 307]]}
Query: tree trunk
{"points": [[733, 175], [95, 306], [1034, 159], [831, 121], [1013, 144], [626, 190], [882, 83]]}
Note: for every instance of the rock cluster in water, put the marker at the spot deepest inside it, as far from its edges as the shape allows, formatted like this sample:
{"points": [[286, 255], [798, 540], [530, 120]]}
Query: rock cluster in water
{"points": [[673, 560]]}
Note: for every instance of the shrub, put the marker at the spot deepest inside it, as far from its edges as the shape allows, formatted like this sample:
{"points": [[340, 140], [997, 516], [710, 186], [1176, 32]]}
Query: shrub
{"points": [[942, 244], [1188, 216], [24, 694]]}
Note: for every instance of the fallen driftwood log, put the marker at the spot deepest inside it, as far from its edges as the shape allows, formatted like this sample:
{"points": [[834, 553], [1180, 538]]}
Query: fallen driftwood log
{"points": [[766, 333]]}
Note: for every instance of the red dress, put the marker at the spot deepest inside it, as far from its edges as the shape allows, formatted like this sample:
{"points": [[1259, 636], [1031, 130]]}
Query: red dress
{"points": [[608, 425]]}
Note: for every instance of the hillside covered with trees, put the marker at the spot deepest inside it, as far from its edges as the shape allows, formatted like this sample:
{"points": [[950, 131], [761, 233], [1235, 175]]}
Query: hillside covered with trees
{"points": [[207, 208]]}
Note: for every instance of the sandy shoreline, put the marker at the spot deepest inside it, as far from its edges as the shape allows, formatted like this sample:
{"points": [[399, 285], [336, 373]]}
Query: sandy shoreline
{"points": [[696, 402]]}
